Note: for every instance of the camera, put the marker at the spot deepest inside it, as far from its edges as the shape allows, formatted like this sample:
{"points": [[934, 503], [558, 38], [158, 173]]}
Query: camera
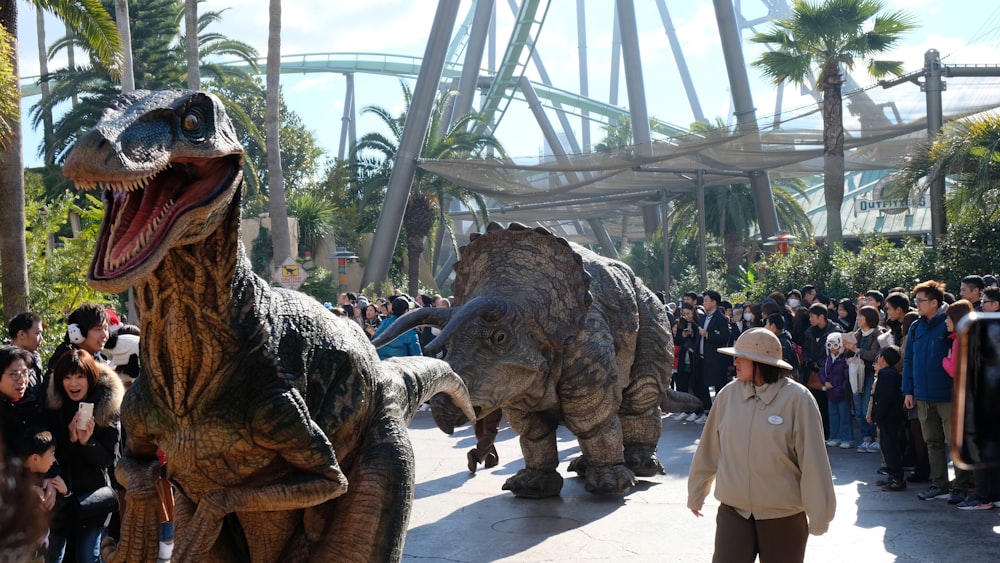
{"points": [[975, 426]]}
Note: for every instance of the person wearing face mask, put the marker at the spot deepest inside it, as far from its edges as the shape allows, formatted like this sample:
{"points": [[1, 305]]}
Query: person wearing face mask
{"points": [[87, 447]]}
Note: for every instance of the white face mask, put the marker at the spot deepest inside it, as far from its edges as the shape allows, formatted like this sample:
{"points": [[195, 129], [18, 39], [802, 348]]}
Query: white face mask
{"points": [[793, 303], [747, 316]]}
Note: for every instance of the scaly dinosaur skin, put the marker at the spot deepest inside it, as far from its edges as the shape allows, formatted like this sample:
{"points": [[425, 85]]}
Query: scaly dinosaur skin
{"points": [[285, 436], [552, 333]]}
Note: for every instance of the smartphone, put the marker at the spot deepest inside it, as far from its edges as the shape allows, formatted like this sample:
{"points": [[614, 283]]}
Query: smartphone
{"points": [[975, 421], [86, 413]]}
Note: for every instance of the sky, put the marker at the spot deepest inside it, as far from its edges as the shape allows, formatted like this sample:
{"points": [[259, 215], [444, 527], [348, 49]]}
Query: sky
{"points": [[963, 31]]}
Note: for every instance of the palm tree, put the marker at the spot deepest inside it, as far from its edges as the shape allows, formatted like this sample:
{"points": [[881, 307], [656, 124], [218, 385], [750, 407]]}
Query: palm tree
{"points": [[730, 216], [967, 151], [827, 37], [160, 62], [94, 24], [375, 152], [278, 210], [730, 212]]}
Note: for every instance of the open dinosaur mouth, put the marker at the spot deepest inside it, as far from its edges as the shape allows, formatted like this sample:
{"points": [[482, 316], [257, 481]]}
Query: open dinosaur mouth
{"points": [[139, 213]]}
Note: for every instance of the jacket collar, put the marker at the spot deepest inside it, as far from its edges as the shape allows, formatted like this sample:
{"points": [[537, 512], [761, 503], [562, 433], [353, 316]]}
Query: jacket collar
{"points": [[766, 393]]}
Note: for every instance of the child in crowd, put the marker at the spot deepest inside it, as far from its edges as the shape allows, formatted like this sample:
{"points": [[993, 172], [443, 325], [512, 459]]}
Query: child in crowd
{"points": [[833, 374], [889, 415], [38, 450]]}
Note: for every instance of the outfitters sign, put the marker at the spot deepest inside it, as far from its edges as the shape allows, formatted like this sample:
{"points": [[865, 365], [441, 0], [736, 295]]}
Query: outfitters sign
{"points": [[889, 205]]}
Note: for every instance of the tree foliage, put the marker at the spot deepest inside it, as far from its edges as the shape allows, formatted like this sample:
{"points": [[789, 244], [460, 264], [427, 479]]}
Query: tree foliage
{"points": [[375, 152], [159, 59], [828, 37], [57, 273], [840, 272]]}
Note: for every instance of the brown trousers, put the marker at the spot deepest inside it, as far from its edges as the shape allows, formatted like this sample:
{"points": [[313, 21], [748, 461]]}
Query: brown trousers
{"points": [[741, 540]]}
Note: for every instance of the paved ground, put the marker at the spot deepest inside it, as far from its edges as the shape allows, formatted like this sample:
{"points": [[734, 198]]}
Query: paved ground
{"points": [[458, 517]]}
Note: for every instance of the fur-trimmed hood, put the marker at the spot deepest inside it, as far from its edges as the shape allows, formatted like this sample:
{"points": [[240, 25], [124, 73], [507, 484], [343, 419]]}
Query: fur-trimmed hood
{"points": [[106, 396]]}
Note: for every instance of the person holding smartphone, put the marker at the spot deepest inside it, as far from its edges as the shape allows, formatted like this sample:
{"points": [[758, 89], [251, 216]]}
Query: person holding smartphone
{"points": [[83, 406]]}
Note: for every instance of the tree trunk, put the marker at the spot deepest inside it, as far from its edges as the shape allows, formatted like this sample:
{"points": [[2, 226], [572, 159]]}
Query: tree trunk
{"points": [[43, 69], [124, 29], [13, 250], [418, 220], [191, 43], [71, 61], [276, 182], [833, 152], [732, 241]]}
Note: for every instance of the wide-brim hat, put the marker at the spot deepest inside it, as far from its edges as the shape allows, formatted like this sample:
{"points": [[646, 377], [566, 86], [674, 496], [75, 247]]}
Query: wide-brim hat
{"points": [[759, 345]]}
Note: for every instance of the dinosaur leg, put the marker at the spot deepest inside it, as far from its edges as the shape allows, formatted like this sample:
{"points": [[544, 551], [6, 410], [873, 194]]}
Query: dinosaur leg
{"points": [[641, 423], [486, 430], [260, 528], [140, 518], [539, 478], [368, 523]]}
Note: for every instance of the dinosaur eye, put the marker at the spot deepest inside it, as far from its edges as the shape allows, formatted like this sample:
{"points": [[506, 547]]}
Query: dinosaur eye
{"points": [[191, 122], [499, 338]]}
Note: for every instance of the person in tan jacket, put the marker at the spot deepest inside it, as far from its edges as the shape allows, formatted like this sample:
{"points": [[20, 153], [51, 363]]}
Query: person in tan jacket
{"points": [[763, 447]]}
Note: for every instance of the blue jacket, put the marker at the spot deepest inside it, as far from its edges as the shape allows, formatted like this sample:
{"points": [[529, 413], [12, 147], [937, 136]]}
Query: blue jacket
{"points": [[406, 344], [923, 374]]}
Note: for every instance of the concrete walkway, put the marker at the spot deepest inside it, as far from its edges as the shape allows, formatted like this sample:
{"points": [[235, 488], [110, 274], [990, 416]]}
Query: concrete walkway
{"points": [[459, 517]]}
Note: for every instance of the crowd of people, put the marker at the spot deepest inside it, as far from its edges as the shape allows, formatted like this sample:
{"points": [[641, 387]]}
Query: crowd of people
{"points": [[61, 418], [880, 376], [874, 371], [879, 366]]}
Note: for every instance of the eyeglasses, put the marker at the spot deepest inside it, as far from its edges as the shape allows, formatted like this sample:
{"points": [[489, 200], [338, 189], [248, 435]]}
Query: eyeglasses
{"points": [[989, 301], [19, 375], [919, 300]]}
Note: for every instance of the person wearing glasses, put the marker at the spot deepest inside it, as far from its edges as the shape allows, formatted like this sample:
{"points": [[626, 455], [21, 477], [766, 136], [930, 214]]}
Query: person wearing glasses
{"points": [[18, 410], [991, 299], [928, 387]]}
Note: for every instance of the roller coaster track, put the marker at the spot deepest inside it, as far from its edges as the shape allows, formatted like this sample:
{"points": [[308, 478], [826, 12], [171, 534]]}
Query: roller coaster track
{"points": [[402, 66]]}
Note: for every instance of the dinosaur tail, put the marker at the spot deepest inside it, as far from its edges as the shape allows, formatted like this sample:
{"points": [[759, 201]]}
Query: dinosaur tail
{"points": [[678, 401], [413, 380]]}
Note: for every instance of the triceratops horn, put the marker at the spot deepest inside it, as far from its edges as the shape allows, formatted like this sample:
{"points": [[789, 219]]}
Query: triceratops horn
{"points": [[479, 307], [425, 316]]}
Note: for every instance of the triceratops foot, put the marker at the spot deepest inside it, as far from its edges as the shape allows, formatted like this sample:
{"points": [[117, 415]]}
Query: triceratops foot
{"points": [[535, 483], [642, 460], [609, 479], [579, 465]]}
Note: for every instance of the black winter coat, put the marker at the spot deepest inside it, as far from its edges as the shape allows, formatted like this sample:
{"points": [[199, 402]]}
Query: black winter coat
{"points": [[86, 467], [887, 398]]}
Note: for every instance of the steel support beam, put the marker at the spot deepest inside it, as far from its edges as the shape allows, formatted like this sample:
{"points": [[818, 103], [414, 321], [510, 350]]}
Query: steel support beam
{"points": [[746, 115], [665, 235], [601, 232], [473, 57], [581, 34], [543, 74], [636, 99], [347, 120], [675, 47], [702, 235], [390, 221], [933, 86]]}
